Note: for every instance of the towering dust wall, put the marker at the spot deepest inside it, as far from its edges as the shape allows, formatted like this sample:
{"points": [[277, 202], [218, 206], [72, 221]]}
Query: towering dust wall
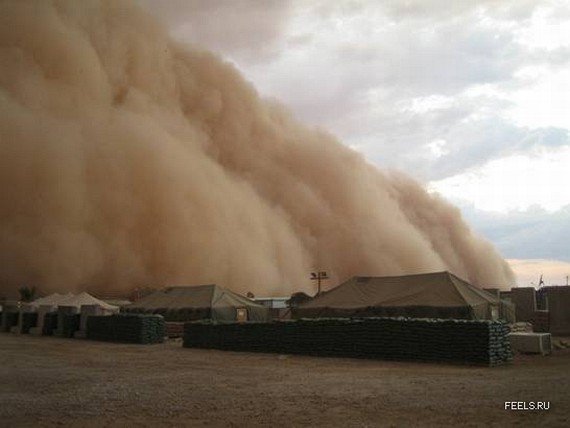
{"points": [[130, 160]]}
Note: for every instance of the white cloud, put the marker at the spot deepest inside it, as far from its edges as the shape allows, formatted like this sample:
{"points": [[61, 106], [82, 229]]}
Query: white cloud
{"points": [[436, 148], [544, 102], [546, 29], [516, 182], [422, 105]]}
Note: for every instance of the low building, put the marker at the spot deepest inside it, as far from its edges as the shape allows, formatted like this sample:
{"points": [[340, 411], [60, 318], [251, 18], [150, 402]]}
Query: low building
{"points": [[547, 309]]}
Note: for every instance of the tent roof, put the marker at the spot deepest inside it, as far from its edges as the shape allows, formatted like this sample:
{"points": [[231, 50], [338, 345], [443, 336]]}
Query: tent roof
{"points": [[52, 299], [87, 299], [72, 300], [439, 289], [200, 296]]}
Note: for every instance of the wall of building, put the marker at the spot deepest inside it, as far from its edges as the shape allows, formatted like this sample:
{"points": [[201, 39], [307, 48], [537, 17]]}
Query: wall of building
{"points": [[559, 308], [553, 313], [524, 299]]}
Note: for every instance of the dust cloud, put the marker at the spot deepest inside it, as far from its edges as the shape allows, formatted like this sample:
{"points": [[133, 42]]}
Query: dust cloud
{"points": [[130, 160]]}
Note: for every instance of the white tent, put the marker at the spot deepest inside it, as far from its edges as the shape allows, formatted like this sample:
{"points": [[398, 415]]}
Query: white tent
{"points": [[76, 300], [52, 299]]}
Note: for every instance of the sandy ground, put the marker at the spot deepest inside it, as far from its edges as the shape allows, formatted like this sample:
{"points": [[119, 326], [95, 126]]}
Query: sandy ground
{"points": [[47, 381]]}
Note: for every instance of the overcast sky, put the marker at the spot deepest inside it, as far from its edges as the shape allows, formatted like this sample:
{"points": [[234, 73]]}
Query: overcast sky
{"points": [[471, 98]]}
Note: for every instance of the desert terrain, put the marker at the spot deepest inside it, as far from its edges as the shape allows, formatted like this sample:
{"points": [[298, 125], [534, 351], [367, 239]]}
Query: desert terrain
{"points": [[46, 382]]}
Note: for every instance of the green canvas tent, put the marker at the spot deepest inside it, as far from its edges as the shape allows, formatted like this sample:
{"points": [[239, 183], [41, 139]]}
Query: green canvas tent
{"points": [[429, 295], [200, 302]]}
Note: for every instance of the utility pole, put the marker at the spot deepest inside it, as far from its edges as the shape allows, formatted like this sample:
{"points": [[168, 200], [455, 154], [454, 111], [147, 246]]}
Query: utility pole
{"points": [[318, 276]]}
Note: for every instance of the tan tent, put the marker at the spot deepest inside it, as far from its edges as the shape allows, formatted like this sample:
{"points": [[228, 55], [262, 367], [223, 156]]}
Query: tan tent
{"points": [[200, 302], [430, 295]]}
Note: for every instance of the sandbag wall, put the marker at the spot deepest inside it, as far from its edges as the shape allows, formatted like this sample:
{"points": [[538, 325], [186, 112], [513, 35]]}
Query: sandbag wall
{"points": [[128, 328], [68, 324], [29, 320], [50, 324], [174, 329], [9, 320], [435, 340]]}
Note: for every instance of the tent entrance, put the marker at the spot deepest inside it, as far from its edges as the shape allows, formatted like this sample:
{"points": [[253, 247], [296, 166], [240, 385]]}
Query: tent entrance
{"points": [[241, 314]]}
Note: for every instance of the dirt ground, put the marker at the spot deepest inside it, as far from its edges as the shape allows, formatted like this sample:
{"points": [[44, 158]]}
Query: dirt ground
{"points": [[47, 381]]}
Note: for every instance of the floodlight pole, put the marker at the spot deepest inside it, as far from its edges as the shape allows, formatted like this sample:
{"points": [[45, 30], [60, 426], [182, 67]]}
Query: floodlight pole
{"points": [[318, 276]]}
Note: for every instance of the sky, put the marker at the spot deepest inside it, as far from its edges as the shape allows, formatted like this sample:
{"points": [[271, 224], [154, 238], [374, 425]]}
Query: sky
{"points": [[470, 98]]}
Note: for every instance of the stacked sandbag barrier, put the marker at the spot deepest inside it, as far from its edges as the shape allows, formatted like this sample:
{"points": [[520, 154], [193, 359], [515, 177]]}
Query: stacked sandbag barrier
{"points": [[127, 328], [456, 341], [49, 325], [9, 320], [68, 324], [67, 321], [10, 314], [174, 330], [29, 320], [521, 327]]}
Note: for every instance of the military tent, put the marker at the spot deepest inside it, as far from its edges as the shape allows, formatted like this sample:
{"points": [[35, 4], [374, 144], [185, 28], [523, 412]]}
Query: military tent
{"points": [[52, 299], [429, 295], [76, 300], [200, 302]]}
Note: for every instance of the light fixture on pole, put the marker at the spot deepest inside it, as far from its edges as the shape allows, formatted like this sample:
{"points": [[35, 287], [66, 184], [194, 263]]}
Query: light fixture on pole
{"points": [[318, 276]]}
